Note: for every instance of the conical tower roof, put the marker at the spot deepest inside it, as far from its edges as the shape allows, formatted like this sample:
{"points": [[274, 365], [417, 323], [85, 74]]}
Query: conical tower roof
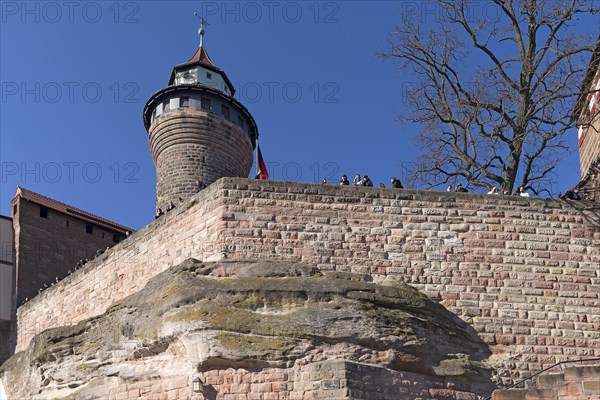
{"points": [[201, 59], [202, 56]]}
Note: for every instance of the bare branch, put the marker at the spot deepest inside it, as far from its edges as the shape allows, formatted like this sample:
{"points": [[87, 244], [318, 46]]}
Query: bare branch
{"points": [[497, 119]]}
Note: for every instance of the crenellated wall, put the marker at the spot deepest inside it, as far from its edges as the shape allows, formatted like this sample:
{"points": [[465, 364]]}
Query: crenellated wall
{"points": [[524, 272]]}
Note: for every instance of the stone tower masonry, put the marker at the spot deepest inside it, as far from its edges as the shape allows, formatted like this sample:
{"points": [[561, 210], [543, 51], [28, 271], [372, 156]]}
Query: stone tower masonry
{"points": [[197, 131]]}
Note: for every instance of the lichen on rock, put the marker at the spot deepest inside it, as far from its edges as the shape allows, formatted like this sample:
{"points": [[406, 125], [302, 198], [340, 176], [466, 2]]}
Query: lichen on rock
{"points": [[196, 317]]}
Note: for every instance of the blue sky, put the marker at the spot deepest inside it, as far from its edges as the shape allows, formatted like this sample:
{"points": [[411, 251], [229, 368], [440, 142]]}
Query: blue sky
{"points": [[75, 78]]}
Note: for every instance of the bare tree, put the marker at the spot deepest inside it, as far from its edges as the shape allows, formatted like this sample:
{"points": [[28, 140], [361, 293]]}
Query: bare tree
{"points": [[494, 91]]}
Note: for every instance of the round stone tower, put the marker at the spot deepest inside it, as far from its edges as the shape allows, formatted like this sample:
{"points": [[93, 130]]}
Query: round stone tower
{"points": [[197, 131]]}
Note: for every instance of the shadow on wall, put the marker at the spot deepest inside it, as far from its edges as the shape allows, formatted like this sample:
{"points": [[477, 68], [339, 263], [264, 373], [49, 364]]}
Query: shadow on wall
{"points": [[589, 211]]}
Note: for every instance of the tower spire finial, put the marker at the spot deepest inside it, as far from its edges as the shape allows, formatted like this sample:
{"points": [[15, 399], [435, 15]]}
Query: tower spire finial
{"points": [[203, 23]]}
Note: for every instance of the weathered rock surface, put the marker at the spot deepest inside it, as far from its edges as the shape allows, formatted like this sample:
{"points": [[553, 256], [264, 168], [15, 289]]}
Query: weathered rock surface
{"points": [[215, 320]]}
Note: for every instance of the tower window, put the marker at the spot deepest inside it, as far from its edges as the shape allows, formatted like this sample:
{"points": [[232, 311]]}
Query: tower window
{"points": [[89, 228], [225, 111], [209, 75], [205, 103], [184, 102], [241, 121], [15, 209], [43, 212], [67, 222], [166, 105]]}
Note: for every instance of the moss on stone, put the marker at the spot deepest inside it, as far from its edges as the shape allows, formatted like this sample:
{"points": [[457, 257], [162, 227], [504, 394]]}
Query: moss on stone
{"points": [[241, 320], [263, 345], [262, 315], [88, 365]]}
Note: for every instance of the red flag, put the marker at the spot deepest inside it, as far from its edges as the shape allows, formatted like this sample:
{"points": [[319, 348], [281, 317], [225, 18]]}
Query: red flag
{"points": [[261, 168]]}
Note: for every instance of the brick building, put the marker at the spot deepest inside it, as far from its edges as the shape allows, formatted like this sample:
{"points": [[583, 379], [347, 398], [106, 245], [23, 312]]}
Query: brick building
{"points": [[40, 244], [51, 237], [587, 113]]}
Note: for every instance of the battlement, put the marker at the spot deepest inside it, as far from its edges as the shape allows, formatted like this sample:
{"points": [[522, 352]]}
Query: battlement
{"points": [[522, 271]]}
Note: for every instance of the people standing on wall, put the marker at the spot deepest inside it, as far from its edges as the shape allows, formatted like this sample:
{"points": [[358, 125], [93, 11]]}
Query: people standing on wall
{"points": [[357, 181], [571, 194], [396, 184], [460, 188], [494, 190], [170, 206], [366, 181], [344, 180], [522, 192]]}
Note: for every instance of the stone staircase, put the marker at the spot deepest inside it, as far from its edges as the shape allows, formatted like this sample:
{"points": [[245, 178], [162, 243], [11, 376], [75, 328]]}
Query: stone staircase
{"points": [[581, 382]]}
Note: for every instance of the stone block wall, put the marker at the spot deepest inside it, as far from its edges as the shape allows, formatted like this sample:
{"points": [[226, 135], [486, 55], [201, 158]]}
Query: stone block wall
{"points": [[581, 382], [187, 231], [47, 247], [524, 272], [189, 145], [329, 380]]}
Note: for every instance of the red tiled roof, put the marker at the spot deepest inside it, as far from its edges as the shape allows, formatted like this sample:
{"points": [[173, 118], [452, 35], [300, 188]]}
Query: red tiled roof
{"points": [[201, 56], [70, 210]]}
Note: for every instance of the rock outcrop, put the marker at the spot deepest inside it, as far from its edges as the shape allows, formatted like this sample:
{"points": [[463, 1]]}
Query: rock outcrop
{"points": [[249, 330]]}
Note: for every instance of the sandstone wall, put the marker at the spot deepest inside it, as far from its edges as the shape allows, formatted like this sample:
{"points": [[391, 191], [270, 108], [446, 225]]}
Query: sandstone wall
{"points": [[324, 380], [124, 269], [47, 247], [524, 272], [579, 382], [328, 380], [189, 145]]}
